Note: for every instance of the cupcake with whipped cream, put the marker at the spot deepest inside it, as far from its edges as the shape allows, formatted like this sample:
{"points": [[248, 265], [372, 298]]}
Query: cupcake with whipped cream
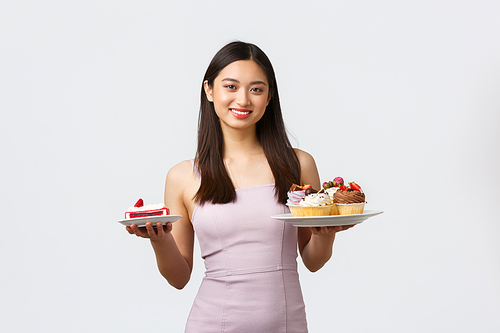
{"points": [[313, 203]]}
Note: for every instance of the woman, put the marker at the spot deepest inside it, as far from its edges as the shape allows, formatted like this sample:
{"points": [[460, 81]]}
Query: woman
{"points": [[243, 169]]}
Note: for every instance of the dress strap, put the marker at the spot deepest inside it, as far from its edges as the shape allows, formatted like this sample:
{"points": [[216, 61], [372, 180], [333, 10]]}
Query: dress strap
{"points": [[195, 168]]}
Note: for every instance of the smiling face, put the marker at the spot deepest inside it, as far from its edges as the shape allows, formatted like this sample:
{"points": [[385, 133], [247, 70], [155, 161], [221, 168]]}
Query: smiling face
{"points": [[240, 94]]}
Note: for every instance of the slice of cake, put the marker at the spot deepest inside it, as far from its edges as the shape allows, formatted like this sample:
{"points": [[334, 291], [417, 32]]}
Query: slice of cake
{"points": [[139, 210]]}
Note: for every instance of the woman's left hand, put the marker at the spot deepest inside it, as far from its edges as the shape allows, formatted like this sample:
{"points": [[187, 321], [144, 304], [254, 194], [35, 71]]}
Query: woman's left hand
{"points": [[330, 230]]}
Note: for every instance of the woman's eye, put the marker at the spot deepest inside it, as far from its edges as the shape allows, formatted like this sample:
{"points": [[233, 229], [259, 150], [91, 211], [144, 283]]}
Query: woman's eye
{"points": [[230, 86], [256, 89]]}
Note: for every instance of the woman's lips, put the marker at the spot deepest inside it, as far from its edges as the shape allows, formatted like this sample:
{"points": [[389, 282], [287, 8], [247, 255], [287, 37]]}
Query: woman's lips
{"points": [[241, 113]]}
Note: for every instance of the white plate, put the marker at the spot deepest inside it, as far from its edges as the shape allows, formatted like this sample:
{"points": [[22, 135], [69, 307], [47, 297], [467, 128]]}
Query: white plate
{"points": [[327, 221], [141, 221]]}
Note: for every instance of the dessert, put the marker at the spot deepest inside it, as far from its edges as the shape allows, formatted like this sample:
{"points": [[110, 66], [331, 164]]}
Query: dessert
{"points": [[139, 210], [349, 199], [331, 187], [296, 193], [308, 203]]}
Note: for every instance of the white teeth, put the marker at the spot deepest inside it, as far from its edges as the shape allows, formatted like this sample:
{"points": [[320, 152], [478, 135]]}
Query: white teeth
{"points": [[240, 112]]}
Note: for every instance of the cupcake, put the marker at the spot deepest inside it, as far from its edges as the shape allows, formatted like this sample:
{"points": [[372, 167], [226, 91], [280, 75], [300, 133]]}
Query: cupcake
{"points": [[313, 203], [349, 199], [331, 187], [296, 193]]}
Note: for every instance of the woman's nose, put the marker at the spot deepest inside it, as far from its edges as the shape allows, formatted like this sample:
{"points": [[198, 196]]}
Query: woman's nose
{"points": [[242, 98]]}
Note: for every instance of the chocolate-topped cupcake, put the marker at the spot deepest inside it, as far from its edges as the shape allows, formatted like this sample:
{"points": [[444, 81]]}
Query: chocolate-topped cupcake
{"points": [[349, 199]]}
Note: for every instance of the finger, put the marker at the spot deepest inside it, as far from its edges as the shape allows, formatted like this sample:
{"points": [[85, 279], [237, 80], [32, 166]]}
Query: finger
{"points": [[134, 228], [168, 227], [151, 231], [345, 227], [315, 230], [139, 232], [159, 229], [325, 230], [334, 229]]}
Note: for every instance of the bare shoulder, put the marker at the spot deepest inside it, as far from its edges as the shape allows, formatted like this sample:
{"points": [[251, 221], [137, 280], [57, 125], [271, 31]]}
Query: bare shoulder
{"points": [[181, 178], [181, 185], [305, 159], [181, 172], [308, 169]]}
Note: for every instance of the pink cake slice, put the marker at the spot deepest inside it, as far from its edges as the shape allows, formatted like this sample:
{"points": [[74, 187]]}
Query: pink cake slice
{"points": [[139, 210]]}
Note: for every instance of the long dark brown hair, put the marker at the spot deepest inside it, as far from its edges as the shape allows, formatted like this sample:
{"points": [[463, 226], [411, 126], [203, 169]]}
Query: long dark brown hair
{"points": [[216, 185]]}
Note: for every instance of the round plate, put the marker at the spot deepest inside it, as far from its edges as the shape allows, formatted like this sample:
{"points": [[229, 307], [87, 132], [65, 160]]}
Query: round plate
{"points": [[327, 221], [141, 221]]}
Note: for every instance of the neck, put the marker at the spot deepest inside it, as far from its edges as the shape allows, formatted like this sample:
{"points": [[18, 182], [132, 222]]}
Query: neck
{"points": [[240, 142]]}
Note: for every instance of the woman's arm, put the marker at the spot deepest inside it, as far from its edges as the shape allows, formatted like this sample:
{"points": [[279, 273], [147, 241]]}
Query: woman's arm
{"points": [[315, 244], [173, 244]]}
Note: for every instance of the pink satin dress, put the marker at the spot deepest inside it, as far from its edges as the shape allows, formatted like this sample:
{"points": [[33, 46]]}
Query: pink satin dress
{"points": [[251, 282]]}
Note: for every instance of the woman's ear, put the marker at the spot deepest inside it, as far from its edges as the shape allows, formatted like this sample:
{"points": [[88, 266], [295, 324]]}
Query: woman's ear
{"points": [[208, 91]]}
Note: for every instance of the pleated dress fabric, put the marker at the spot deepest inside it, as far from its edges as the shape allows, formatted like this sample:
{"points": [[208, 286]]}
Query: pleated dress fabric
{"points": [[251, 283]]}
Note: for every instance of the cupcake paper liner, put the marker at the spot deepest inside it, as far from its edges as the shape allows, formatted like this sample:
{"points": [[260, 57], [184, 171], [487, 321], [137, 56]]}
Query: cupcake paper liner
{"points": [[311, 211], [349, 209]]}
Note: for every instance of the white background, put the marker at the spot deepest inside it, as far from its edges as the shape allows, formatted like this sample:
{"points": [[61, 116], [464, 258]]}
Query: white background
{"points": [[99, 99]]}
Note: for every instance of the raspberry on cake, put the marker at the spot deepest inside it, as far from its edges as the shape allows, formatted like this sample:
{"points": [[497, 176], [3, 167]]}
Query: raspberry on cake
{"points": [[335, 183], [139, 210]]}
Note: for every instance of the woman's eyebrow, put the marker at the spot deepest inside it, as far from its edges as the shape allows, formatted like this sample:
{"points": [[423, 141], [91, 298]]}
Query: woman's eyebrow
{"points": [[236, 81]]}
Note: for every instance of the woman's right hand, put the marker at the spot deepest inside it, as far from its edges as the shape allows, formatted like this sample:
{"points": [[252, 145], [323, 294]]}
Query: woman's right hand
{"points": [[174, 245], [154, 234], [171, 263]]}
